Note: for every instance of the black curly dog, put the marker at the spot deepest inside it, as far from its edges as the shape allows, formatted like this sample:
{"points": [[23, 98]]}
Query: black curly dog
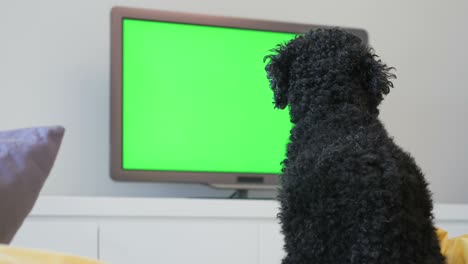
{"points": [[348, 193]]}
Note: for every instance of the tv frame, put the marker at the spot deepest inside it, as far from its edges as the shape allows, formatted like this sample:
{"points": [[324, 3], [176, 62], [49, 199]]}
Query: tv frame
{"points": [[219, 180]]}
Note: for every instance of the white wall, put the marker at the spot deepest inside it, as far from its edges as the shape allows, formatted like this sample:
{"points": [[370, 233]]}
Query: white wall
{"points": [[54, 69]]}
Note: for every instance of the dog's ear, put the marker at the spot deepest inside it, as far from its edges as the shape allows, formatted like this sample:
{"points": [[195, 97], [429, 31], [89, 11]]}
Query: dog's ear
{"points": [[278, 71], [376, 77]]}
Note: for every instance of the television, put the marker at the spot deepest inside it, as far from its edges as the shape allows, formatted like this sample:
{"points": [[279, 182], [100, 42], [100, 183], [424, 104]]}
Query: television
{"points": [[190, 100]]}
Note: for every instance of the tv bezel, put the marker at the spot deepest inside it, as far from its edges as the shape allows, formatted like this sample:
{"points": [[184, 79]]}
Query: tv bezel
{"points": [[220, 180]]}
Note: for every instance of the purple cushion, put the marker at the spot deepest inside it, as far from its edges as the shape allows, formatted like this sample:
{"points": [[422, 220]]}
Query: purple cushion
{"points": [[26, 158]]}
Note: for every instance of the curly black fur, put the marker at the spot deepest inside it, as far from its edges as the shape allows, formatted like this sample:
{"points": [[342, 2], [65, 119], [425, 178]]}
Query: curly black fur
{"points": [[348, 193]]}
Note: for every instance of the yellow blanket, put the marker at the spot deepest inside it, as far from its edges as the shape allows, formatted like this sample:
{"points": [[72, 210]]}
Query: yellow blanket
{"points": [[12, 255], [454, 249]]}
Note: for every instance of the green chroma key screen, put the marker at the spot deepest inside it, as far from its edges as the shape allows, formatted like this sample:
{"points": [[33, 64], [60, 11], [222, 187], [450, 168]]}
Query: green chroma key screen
{"points": [[196, 98]]}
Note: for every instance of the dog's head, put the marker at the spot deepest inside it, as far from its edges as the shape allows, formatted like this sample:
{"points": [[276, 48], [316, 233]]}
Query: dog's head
{"points": [[327, 66]]}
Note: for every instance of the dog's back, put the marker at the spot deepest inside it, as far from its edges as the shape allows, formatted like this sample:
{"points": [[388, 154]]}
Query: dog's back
{"points": [[349, 194]]}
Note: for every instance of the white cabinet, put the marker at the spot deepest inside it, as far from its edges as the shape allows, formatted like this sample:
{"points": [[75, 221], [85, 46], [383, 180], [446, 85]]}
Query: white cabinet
{"points": [[179, 241], [270, 250], [172, 231], [72, 236]]}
